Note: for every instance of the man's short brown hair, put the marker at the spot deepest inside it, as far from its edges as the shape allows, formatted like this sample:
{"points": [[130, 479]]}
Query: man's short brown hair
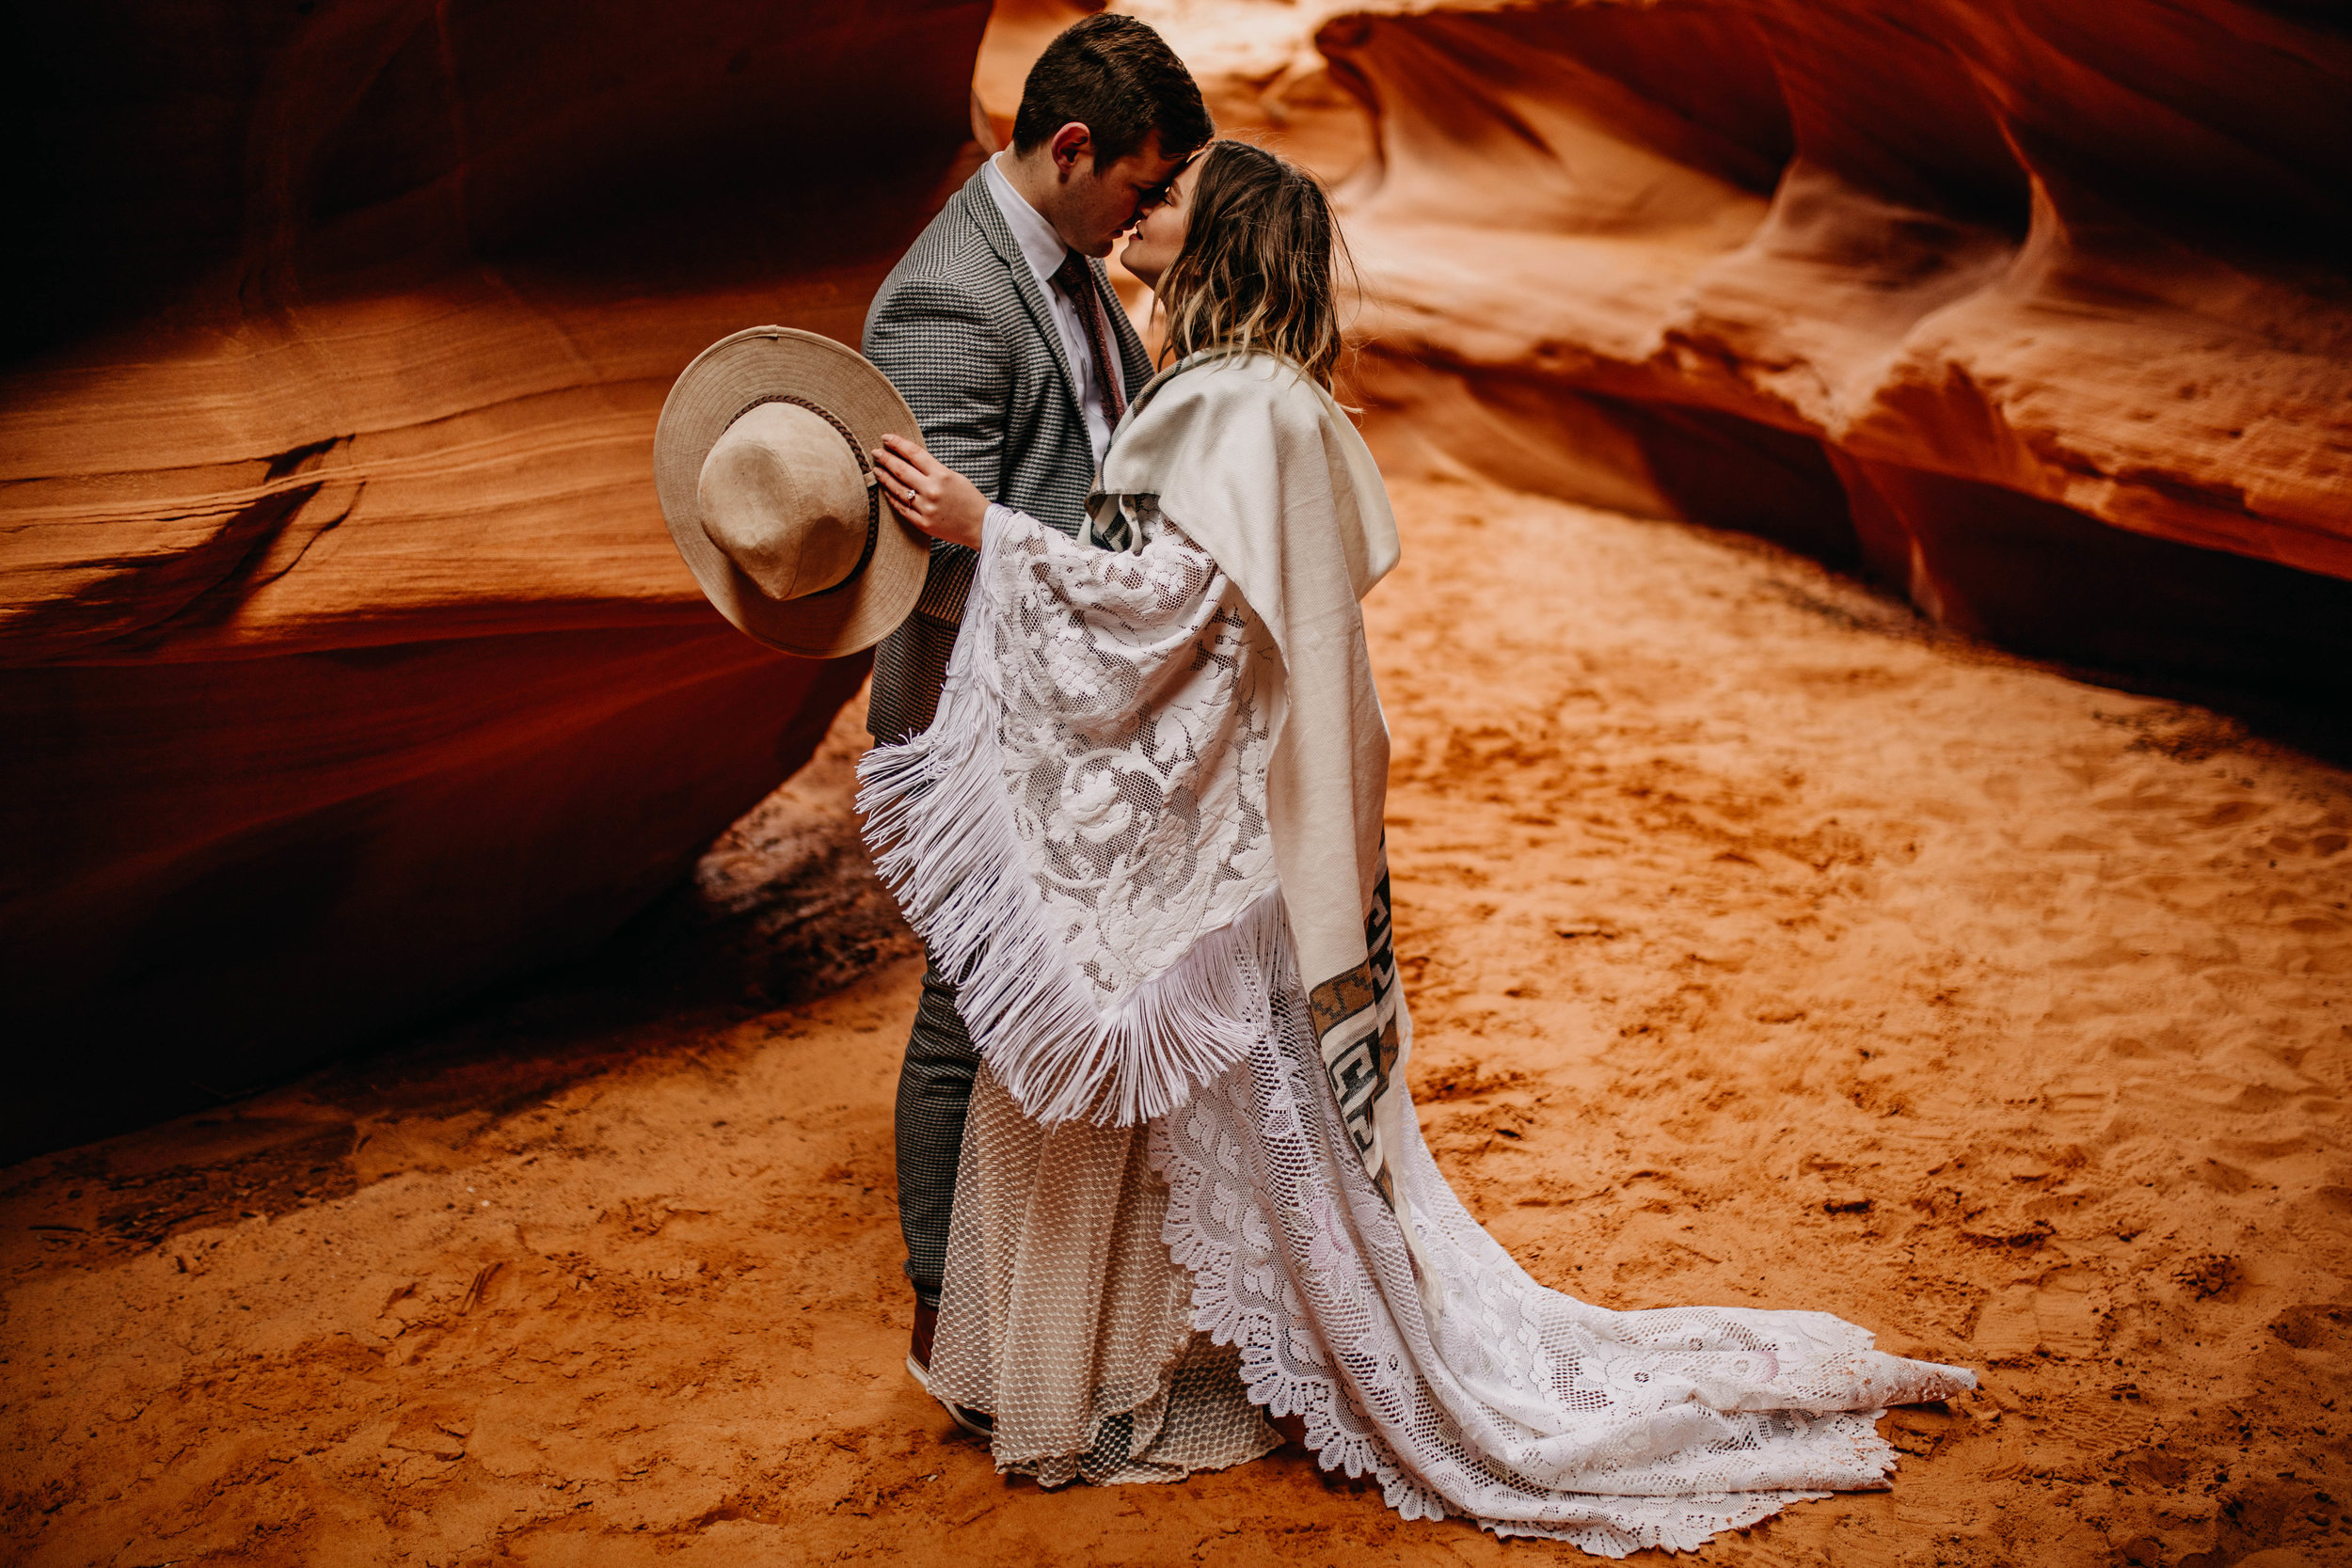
{"points": [[1117, 79]]}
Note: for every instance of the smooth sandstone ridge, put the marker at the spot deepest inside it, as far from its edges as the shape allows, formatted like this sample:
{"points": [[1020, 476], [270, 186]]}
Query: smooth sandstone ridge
{"points": [[346, 662], [2034, 311]]}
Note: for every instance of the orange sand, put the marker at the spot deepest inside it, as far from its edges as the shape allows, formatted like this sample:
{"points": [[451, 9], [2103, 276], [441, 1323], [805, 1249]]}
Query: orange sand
{"points": [[1763, 949]]}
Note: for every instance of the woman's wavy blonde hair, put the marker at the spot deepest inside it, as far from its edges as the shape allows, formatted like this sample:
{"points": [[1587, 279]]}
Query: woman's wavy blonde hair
{"points": [[1259, 267]]}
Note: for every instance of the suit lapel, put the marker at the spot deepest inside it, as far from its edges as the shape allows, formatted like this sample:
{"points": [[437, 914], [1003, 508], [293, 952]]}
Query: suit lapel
{"points": [[983, 211]]}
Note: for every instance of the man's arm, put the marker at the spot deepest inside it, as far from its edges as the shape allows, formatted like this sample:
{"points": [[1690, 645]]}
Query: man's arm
{"points": [[951, 365]]}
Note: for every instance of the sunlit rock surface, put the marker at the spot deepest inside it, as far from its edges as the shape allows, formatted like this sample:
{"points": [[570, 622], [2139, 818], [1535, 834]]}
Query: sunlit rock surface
{"points": [[345, 662], [2036, 312]]}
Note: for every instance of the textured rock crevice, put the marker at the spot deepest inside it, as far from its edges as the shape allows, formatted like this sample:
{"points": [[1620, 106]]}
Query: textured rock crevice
{"points": [[350, 665], [2059, 301]]}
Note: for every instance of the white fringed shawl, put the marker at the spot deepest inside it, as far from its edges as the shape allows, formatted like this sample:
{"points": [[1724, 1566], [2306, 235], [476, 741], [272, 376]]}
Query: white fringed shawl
{"points": [[1144, 760]]}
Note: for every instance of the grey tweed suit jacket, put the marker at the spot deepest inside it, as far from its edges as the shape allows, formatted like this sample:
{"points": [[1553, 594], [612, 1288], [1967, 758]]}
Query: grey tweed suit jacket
{"points": [[963, 329]]}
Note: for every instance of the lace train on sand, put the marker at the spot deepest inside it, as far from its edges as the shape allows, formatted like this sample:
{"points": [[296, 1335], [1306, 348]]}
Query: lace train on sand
{"points": [[1121, 1298], [1530, 1411]]}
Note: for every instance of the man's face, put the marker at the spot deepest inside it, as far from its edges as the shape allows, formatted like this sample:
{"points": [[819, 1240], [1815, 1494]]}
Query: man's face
{"points": [[1094, 207]]}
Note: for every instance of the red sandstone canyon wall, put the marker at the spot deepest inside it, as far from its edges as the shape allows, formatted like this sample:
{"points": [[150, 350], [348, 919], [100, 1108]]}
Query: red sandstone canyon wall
{"points": [[2036, 312], [345, 662]]}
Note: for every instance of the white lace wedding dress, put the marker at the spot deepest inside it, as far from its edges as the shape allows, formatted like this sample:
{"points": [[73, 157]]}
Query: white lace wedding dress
{"points": [[1125, 1300]]}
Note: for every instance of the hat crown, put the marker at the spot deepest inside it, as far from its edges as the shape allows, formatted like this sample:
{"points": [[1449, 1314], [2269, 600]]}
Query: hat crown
{"points": [[784, 498]]}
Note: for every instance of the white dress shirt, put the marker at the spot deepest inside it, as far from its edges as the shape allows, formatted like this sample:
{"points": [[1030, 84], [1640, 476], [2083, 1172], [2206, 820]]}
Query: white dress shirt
{"points": [[1044, 250]]}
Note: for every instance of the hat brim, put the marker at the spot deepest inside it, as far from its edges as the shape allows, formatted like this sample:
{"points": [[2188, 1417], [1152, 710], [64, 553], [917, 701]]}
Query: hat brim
{"points": [[728, 379]]}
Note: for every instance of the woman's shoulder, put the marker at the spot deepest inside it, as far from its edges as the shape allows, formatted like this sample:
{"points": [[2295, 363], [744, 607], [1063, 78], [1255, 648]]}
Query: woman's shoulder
{"points": [[1225, 413], [1233, 383]]}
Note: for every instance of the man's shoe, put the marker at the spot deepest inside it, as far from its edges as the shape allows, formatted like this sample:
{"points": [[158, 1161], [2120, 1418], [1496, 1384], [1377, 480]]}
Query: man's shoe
{"points": [[979, 1423], [926, 1330]]}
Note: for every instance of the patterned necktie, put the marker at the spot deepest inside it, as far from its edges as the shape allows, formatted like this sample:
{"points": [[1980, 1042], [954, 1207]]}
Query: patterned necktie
{"points": [[1075, 281]]}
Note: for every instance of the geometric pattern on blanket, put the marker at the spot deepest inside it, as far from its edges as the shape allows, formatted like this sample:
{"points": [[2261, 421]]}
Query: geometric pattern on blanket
{"points": [[1535, 1414]]}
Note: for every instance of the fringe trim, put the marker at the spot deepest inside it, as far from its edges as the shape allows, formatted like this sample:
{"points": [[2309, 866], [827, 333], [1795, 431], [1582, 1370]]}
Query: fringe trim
{"points": [[939, 823]]}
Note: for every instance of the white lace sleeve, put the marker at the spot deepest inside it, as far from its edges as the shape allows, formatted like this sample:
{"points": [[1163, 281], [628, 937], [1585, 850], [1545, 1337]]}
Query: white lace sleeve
{"points": [[1093, 633], [1081, 835], [1125, 679]]}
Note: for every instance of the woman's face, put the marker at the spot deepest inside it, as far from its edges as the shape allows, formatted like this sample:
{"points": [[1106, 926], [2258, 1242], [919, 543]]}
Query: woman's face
{"points": [[1161, 234]]}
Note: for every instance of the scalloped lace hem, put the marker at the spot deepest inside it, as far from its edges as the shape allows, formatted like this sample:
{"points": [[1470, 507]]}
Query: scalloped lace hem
{"points": [[1521, 1408]]}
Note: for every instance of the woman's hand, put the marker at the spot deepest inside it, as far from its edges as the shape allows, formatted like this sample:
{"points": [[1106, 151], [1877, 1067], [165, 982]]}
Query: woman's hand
{"points": [[928, 494]]}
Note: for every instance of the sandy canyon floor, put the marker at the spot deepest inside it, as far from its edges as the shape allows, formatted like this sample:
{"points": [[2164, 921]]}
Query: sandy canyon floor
{"points": [[1764, 949]]}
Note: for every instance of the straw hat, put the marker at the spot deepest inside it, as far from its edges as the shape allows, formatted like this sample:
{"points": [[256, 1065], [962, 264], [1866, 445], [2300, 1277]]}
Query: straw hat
{"points": [[760, 460]]}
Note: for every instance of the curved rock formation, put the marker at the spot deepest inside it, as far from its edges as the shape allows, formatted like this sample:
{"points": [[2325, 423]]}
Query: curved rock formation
{"points": [[2037, 313], [346, 662]]}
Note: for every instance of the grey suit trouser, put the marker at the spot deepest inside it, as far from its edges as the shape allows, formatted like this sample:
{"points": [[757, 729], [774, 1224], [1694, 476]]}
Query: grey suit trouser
{"points": [[934, 1091], [936, 1083]]}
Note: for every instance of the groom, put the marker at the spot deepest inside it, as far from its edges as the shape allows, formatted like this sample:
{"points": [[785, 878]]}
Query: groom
{"points": [[1000, 329]]}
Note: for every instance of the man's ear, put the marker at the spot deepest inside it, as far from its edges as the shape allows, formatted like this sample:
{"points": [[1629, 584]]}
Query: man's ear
{"points": [[1068, 145]]}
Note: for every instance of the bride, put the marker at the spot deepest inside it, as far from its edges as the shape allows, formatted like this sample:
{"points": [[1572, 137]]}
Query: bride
{"points": [[1146, 829]]}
